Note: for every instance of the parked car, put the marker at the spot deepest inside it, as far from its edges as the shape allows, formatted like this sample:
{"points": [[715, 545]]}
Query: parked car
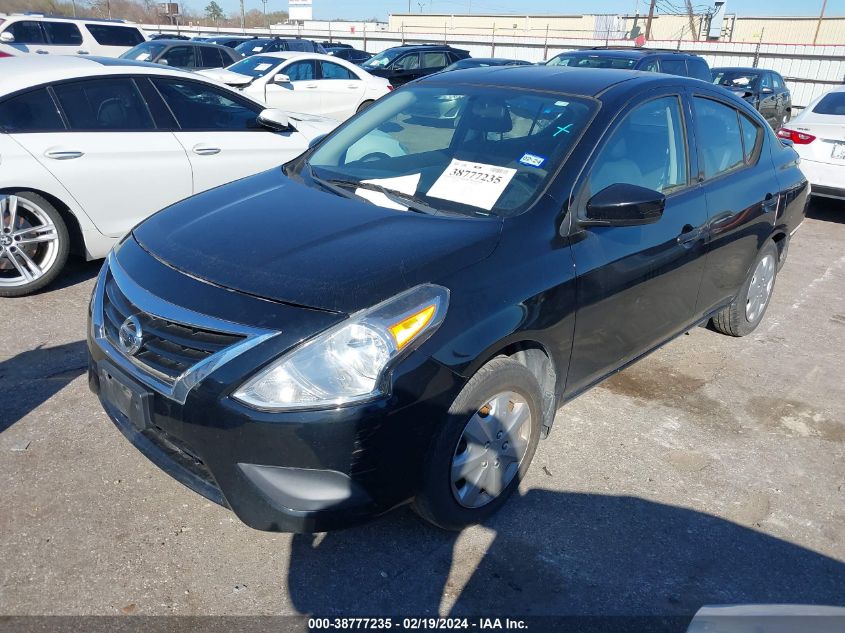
{"points": [[185, 55], [482, 62], [317, 344], [40, 34], [304, 82], [77, 174], [764, 89], [402, 64], [818, 135], [168, 36], [628, 58], [232, 41], [276, 45], [349, 54]]}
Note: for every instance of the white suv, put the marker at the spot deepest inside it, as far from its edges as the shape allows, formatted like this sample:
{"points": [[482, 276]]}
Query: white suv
{"points": [[66, 36]]}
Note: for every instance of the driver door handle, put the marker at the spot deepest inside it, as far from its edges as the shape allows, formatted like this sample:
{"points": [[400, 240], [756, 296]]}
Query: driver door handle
{"points": [[689, 234], [63, 154], [770, 203], [205, 150], [310, 86]]}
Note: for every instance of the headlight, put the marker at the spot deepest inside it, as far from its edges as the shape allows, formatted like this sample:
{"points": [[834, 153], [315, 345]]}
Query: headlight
{"points": [[350, 362]]}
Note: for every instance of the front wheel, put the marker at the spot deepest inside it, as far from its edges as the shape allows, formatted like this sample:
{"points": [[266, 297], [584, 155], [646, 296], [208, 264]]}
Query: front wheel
{"points": [[34, 243], [744, 314], [484, 448]]}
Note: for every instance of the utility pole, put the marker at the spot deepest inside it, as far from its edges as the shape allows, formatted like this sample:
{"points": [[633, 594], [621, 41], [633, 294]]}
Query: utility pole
{"points": [[691, 18], [243, 18], [266, 21], [650, 18], [819, 24]]}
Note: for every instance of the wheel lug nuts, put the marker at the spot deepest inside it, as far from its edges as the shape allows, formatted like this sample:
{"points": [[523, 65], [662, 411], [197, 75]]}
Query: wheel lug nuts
{"points": [[487, 445], [484, 464], [499, 435], [496, 463], [505, 446]]}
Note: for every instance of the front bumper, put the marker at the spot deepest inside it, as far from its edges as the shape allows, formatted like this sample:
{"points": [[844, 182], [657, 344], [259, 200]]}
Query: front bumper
{"points": [[307, 471]]}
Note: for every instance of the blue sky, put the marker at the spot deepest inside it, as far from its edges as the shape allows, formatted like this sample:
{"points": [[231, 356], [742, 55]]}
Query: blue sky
{"points": [[363, 9]]}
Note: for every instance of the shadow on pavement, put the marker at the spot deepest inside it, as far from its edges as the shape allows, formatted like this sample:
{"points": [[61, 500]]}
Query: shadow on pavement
{"points": [[827, 210], [76, 271], [558, 554], [34, 376]]}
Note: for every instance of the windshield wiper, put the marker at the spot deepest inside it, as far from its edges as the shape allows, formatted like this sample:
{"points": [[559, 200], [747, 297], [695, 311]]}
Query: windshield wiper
{"points": [[341, 188]]}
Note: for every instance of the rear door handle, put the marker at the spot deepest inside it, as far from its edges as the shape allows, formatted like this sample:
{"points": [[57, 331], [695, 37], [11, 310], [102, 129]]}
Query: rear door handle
{"points": [[352, 87], [41, 51], [82, 53], [205, 150], [770, 203], [63, 154], [311, 86]]}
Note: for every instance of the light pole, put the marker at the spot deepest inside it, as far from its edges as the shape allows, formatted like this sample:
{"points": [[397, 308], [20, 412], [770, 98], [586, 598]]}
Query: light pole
{"points": [[819, 24], [266, 21], [243, 18]]}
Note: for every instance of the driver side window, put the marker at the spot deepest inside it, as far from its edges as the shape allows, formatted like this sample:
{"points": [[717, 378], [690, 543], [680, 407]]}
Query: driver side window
{"points": [[648, 148], [200, 107], [300, 71]]}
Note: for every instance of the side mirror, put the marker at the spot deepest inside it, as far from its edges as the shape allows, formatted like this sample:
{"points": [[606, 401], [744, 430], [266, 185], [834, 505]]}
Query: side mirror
{"points": [[6, 37], [624, 205], [163, 62], [281, 78], [275, 120]]}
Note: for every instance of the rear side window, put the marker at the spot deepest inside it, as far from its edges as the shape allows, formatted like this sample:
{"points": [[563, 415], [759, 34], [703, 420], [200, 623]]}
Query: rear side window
{"points": [[751, 137], [831, 103], [434, 60], [27, 32], [104, 104], [66, 33], [698, 69], [718, 137], [335, 71], [32, 111], [201, 107], [213, 57], [111, 35], [673, 66], [647, 148]]}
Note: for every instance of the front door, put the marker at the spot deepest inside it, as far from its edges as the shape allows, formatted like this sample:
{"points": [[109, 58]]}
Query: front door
{"points": [[300, 94], [405, 69], [220, 135], [637, 286]]}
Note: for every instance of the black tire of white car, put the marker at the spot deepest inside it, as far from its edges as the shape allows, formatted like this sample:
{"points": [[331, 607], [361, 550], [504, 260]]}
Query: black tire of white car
{"points": [[734, 319], [364, 106], [62, 244], [437, 501]]}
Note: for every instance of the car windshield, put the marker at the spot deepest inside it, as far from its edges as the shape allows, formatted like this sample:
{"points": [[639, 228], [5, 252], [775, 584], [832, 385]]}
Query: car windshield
{"points": [[472, 151], [735, 78], [255, 66], [581, 60], [831, 103], [382, 59], [250, 47], [144, 52]]}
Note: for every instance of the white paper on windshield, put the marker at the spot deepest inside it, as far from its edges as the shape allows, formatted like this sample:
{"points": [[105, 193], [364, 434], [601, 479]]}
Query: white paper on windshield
{"points": [[260, 67], [400, 184], [257, 49], [143, 57], [474, 184]]}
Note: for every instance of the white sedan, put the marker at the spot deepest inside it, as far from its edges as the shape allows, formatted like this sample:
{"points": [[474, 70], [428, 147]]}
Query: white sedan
{"points": [[818, 135], [92, 146], [304, 82]]}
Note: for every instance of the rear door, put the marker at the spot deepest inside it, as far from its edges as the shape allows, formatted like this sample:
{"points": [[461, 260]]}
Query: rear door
{"points": [[341, 90], [111, 157], [219, 132], [301, 93], [638, 285], [64, 38], [742, 194], [768, 99], [434, 61]]}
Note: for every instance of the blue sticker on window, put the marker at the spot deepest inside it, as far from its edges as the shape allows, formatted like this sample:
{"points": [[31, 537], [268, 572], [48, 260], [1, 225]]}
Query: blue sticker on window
{"points": [[532, 160]]}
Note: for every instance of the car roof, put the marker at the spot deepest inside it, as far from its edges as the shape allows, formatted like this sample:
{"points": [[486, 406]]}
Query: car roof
{"points": [[625, 51], [742, 69], [27, 71], [412, 47], [11, 17], [589, 82]]}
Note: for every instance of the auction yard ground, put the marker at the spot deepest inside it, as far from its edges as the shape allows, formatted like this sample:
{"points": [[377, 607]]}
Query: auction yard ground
{"points": [[711, 472]]}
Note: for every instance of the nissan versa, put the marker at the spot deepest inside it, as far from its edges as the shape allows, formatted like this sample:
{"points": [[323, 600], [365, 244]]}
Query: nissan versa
{"points": [[317, 344]]}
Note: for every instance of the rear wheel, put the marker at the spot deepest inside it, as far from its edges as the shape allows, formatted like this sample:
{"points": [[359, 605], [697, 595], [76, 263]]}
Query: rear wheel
{"points": [[364, 106], [745, 313], [34, 243], [485, 447]]}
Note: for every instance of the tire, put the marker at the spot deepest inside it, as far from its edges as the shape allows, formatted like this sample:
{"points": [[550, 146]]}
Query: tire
{"points": [[503, 383], [47, 250], [783, 252], [741, 317], [364, 106]]}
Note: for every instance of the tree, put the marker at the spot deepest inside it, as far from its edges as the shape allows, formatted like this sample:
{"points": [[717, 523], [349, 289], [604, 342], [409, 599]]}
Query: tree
{"points": [[214, 12]]}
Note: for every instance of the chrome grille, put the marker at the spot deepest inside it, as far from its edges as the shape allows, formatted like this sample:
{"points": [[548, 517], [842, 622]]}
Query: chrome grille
{"points": [[169, 349]]}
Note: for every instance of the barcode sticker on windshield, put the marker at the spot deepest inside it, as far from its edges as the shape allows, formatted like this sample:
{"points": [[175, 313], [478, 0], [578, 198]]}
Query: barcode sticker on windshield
{"points": [[473, 184]]}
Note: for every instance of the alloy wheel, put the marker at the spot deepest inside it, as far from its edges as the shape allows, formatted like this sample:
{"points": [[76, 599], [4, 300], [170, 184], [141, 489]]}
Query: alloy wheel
{"points": [[491, 449], [760, 289], [29, 242]]}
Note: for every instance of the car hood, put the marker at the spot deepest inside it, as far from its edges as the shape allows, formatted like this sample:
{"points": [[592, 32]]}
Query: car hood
{"points": [[226, 76], [271, 237]]}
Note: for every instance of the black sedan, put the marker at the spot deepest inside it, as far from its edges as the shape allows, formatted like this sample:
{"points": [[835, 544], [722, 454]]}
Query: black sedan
{"points": [[764, 89], [317, 344]]}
